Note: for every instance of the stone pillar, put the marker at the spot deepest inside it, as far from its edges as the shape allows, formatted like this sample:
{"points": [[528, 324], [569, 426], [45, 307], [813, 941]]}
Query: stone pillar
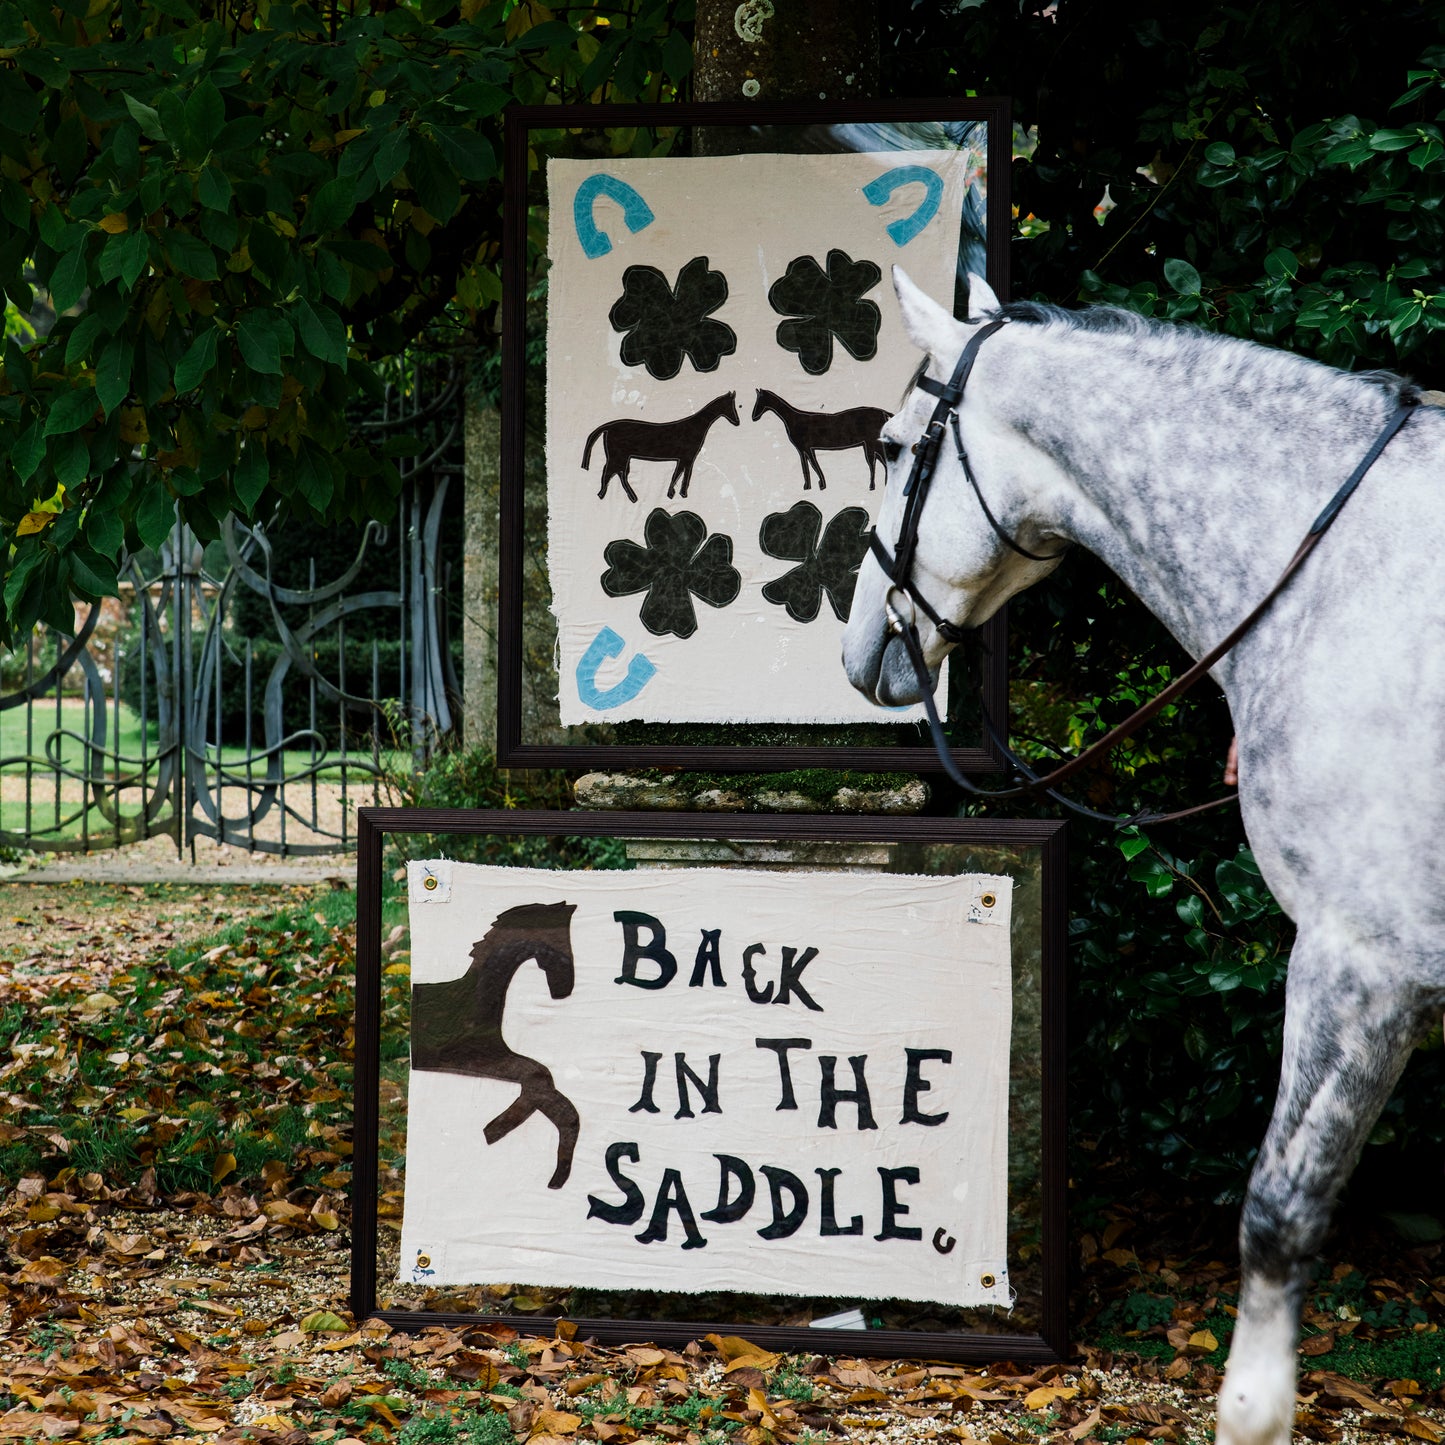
{"points": [[481, 483]]}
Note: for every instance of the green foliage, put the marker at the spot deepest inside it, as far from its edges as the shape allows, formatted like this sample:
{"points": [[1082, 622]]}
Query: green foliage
{"points": [[235, 214], [470, 778], [461, 1427]]}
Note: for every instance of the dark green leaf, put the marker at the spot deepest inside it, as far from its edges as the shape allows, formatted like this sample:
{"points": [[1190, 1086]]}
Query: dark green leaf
{"points": [[70, 459], [191, 256], [27, 452], [251, 474], [1393, 140], [434, 181], [331, 207], [92, 574], [155, 513], [1182, 277], [205, 114], [259, 338], [196, 364], [214, 188], [82, 338], [68, 280], [70, 411], [112, 372], [145, 116], [322, 332]]}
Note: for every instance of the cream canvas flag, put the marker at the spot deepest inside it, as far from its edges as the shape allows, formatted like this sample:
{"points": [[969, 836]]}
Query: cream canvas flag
{"points": [[709, 1079], [723, 345]]}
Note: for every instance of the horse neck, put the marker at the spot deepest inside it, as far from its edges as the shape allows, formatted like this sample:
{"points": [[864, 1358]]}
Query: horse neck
{"points": [[499, 960], [1191, 465]]}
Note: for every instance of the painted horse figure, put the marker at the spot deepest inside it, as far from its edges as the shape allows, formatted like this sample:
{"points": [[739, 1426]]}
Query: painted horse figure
{"points": [[626, 440], [812, 432], [456, 1026], [1193, 464]]}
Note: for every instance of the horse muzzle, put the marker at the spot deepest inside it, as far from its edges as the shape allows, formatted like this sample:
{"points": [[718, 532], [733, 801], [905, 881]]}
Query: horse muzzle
{"points": [[882, 671]]}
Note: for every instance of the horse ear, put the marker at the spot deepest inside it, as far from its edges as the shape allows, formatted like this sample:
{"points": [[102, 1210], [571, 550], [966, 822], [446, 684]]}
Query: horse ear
{"points": [[981, 298], [929, 327]]}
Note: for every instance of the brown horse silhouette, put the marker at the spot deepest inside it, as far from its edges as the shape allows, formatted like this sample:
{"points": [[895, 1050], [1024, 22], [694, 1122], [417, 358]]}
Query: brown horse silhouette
{"points": [[456, 1027], [658, 441], [812, 432]]}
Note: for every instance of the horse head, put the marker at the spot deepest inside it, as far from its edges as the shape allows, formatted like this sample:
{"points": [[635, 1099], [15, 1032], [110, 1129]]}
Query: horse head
{"points": [[963, 566], [546, 928], [730, 410]]}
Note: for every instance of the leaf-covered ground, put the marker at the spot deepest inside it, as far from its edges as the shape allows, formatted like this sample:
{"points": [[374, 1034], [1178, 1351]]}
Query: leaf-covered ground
{"points": [[175, 1143]]}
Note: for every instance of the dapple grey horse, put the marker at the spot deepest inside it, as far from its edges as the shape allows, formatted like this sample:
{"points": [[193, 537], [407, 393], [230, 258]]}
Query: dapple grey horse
{"points": [[1193, 465]]}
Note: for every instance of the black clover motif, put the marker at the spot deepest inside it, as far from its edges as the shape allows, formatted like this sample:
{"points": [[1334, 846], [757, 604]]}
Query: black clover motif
{"points": [[826, 306], [675, 566], [663, 325], [829, 566]]}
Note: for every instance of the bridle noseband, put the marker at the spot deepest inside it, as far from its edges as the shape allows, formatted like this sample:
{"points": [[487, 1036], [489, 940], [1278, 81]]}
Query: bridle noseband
{"points": [[898, 568]]}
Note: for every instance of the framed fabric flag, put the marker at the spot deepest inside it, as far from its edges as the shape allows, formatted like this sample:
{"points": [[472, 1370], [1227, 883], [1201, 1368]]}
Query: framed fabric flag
{"points": [[691, 473], [695, 1087]]}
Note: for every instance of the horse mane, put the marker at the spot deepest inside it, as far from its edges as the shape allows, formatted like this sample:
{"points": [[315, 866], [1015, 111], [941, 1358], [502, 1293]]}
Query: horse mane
{"points": [[1185, 340], [534, 917]]}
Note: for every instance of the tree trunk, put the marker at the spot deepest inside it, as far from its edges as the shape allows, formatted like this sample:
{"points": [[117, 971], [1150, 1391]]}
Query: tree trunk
{"points": [[786, 50]]}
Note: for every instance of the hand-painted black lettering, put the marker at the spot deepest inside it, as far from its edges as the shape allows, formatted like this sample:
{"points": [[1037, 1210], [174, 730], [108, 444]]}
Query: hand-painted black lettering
{"points": [[788, 984], [630, 1210], [649, 1078], [750, 978], [633, 950], [943, 1241], [789, 1221], [785, 1074], [828, 1224], [891, 1206], [830, 1095], [672, 1196], [915, 1084], [456, 1026], [729, 1211], [686, 1072], [707, 958]]}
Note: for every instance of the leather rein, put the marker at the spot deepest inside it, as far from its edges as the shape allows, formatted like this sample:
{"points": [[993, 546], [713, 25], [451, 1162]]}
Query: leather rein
{"points": [[898, 568]]}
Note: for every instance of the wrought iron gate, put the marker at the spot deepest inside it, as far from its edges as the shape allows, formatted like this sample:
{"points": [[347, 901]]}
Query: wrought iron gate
{"points": [[216, 701]]}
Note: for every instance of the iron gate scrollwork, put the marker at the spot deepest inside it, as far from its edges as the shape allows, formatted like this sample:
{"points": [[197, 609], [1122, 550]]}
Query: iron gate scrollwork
{"points": [[220, 699]]}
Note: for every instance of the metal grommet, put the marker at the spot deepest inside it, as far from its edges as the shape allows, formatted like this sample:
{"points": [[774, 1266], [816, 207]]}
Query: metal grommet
{"points": [[429, 882], [987, 1281], [987, 900], [423, 1261]]}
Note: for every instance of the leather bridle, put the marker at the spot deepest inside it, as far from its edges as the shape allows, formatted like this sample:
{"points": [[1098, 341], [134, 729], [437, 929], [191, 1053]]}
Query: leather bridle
{"points": [[898, 568]]}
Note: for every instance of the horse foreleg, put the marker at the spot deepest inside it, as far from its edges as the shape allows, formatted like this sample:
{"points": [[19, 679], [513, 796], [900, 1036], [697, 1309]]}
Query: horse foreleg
{"points": [[822, 480], [1348, 1033], [680, 470], [624, 473], [807, 476]]}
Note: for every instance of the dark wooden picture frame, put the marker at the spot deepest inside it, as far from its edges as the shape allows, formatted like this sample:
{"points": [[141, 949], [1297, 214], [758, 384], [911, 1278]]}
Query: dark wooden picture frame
{"points": [[375, 825], [729, 747]]}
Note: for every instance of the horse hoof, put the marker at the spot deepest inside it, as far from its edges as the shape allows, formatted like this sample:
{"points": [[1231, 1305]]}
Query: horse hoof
{"points": [[1254, 1408]]}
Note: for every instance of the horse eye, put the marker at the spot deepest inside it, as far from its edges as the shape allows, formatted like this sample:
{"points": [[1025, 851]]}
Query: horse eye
{"points": [[892, 449]]}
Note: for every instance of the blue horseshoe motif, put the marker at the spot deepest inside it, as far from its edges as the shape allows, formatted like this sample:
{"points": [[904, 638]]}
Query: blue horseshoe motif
{"points": [[607, 644], [882, 187], [635, 211]]}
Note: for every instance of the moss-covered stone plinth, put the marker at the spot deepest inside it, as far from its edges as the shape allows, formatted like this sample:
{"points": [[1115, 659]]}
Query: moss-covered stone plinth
{"points": [[809, 791]]}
